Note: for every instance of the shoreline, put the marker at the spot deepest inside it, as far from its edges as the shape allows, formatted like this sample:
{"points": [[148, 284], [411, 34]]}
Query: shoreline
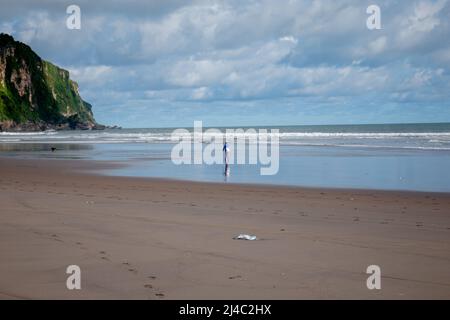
{"points": [[152, 238], [92, 167]]}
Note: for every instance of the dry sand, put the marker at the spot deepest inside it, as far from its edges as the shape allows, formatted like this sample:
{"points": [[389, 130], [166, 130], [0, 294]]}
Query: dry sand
{"points": [[157, 239]]}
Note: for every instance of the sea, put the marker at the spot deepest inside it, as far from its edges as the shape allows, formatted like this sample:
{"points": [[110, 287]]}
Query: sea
{"points": [[368, 156]]}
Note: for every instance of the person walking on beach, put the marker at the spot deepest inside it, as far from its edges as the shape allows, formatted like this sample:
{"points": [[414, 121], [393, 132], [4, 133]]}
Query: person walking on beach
{"points": [[226, 156], [226, 153]]}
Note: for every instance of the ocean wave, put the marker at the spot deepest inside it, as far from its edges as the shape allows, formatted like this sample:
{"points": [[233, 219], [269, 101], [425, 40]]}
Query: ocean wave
{"points": [[365, 134], [37, 133], [398, 140], [307, 144]]}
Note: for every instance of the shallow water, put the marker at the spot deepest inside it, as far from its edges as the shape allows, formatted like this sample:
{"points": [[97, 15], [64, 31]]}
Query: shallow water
{"points": [[313, 166]]}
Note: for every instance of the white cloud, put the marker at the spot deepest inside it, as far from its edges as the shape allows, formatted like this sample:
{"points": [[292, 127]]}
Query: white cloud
{"points": [[289, 39], [378, 45], [424, 18], [201, 93], [414, 28]]}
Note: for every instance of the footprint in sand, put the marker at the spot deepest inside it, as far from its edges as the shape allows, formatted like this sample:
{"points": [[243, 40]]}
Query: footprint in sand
{"points": [[55, 237], [104, 257], [161, 295], [235, 277], [80, 244], [303, 214], [148, 286]]}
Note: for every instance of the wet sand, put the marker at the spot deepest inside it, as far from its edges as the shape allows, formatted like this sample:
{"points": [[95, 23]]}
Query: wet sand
{"points": [[137, 238]]}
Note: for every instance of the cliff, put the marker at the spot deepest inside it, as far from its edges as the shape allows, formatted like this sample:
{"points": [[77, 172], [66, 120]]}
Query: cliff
{"points": [[37, 95]]}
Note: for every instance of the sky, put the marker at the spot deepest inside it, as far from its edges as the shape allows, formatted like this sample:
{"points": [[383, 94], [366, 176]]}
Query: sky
{"points": [[243, 63]]}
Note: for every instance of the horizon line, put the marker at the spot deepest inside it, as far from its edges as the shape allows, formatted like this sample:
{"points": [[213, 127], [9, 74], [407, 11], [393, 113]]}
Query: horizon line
{"points": [[294, 125]]}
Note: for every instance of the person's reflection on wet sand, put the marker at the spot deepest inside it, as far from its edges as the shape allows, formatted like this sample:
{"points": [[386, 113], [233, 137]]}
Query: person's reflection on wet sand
{"points": [[226, 172]]}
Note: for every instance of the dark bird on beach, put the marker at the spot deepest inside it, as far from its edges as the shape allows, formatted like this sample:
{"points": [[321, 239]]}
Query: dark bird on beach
{"points": [[53, 149]]}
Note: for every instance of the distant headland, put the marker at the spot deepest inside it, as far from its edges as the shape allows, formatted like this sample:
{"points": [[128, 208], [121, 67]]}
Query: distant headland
{"points": [[37, 95]]}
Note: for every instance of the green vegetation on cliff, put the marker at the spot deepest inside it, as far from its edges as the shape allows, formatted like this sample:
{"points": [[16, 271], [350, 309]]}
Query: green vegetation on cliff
{"points": [[35, 94]]}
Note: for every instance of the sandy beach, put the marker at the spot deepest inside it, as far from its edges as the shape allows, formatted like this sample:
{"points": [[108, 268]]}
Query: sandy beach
{"points": [[137, 238]]}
